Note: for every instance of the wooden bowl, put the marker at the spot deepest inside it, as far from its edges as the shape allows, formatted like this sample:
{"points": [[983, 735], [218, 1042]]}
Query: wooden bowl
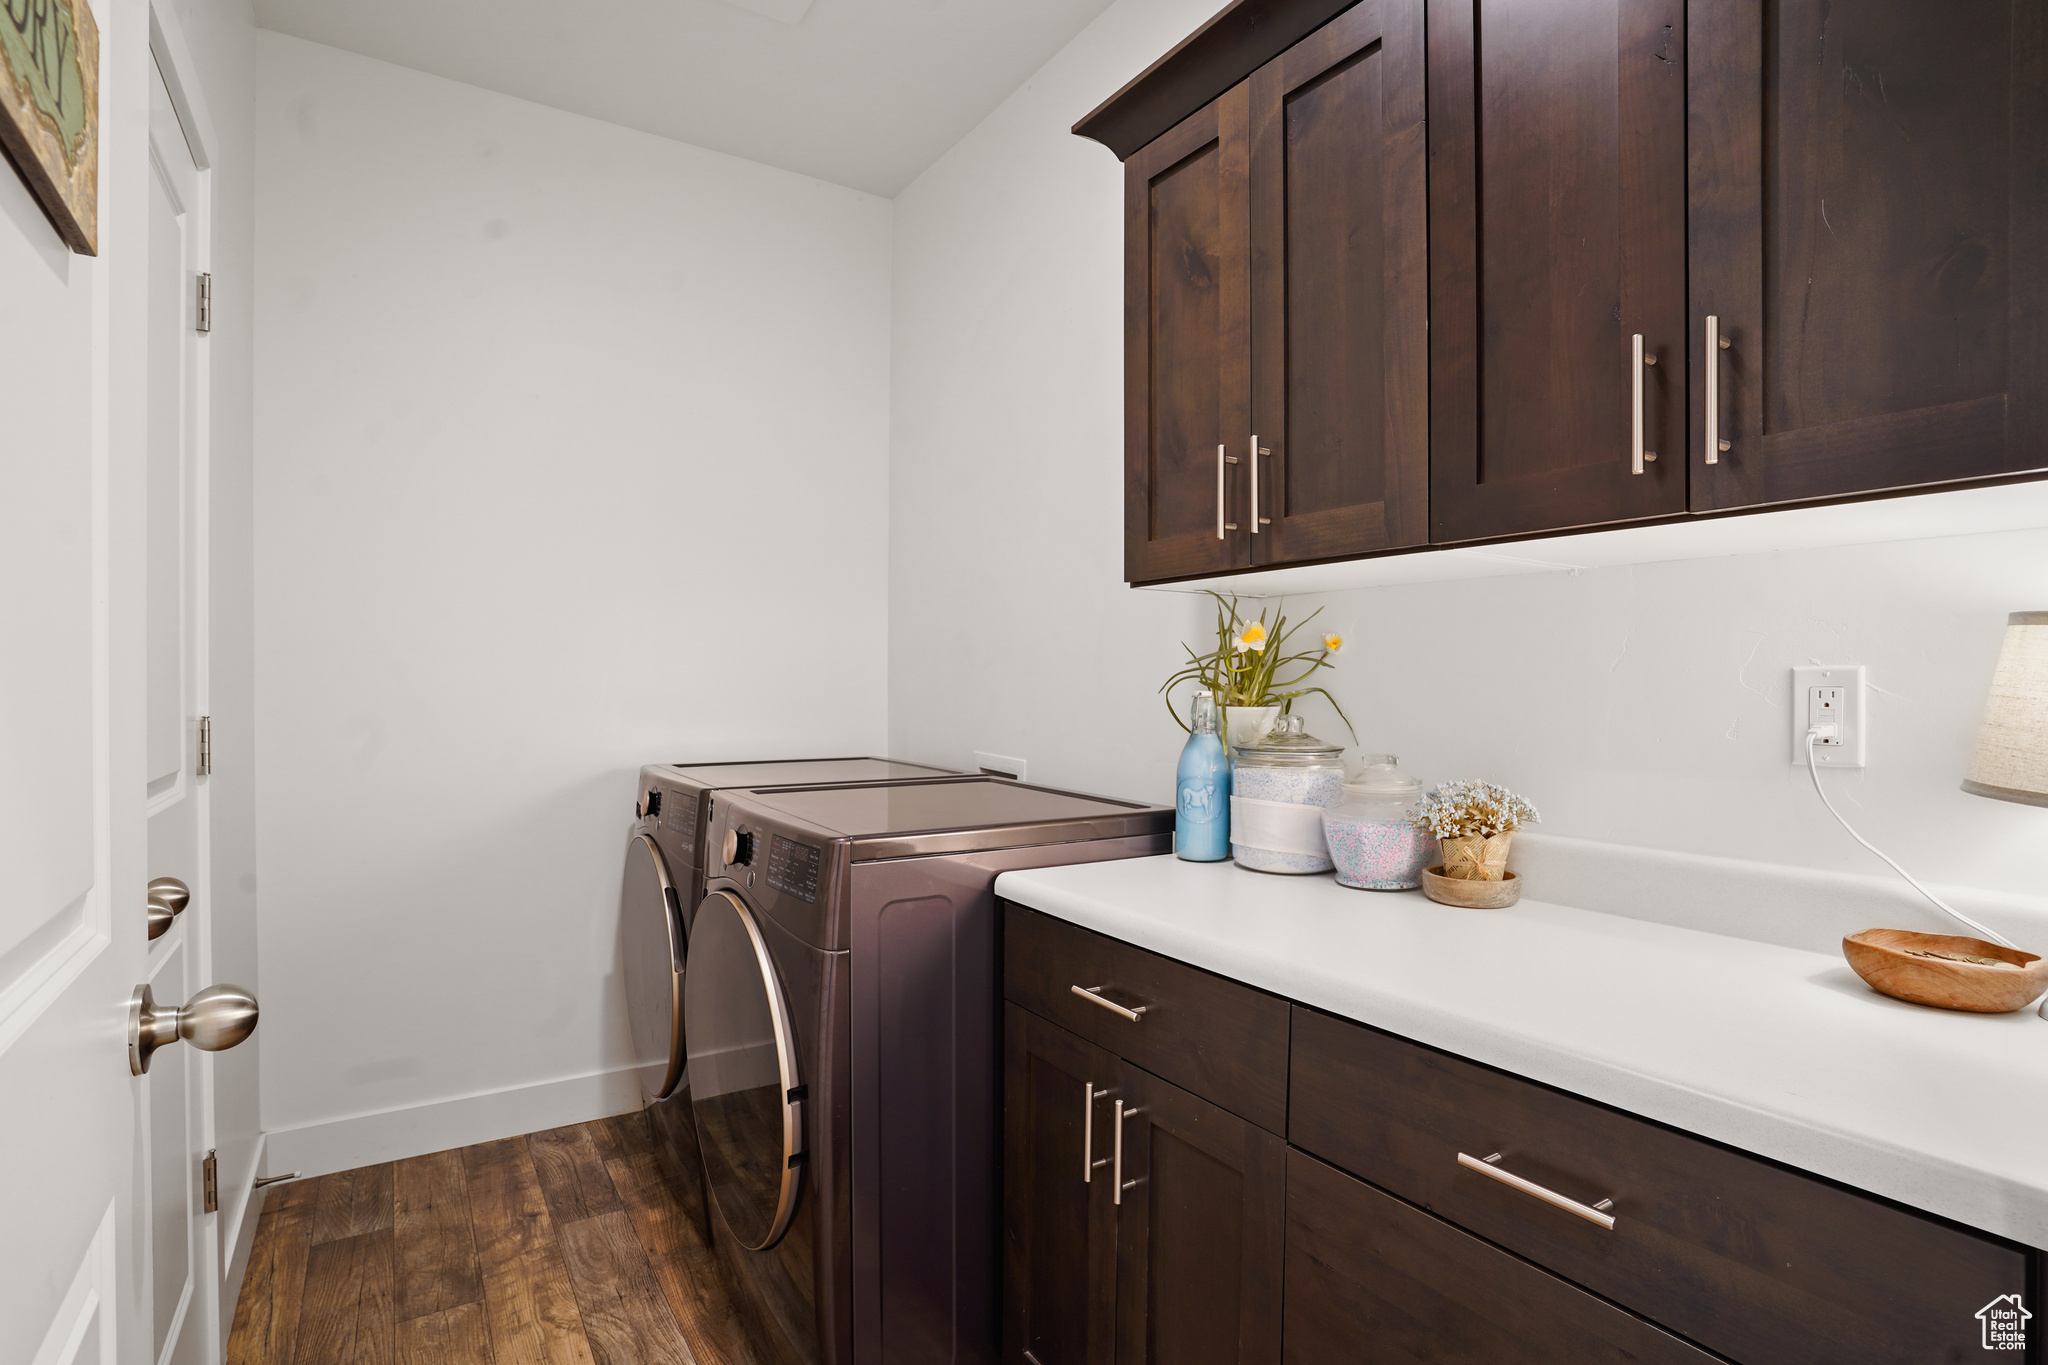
{"points": [[1470, 894], [1930, 969]]}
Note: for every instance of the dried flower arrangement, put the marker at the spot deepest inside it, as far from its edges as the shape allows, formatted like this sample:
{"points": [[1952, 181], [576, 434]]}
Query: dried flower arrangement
{"points": [[1475, 822]]}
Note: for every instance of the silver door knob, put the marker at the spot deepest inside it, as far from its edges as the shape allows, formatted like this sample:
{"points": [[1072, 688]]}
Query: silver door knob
{"points": [[168, 898], [213, 1021]]}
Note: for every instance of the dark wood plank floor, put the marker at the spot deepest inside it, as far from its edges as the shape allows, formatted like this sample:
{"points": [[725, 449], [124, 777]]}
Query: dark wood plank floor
{"points": [[560, 1248]]}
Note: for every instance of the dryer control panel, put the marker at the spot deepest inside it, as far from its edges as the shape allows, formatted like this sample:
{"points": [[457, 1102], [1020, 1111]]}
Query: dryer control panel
{"points": [[793, 868]]}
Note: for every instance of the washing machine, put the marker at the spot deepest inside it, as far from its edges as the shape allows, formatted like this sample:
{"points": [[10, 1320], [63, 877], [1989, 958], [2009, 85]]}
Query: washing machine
{"points": [[843, 1052], [664, 880]]}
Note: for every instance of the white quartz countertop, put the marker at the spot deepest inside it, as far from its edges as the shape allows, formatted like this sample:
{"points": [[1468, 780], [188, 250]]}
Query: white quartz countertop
{"points": [[1774, 1050]]}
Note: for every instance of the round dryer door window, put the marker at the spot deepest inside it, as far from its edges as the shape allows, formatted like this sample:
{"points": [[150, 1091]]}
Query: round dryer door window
{"points": [[651, 927], [743, 1075]]}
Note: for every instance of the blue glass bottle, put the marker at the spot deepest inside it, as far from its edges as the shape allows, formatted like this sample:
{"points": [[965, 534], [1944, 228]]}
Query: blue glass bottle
{"points": [[1201, 827]]}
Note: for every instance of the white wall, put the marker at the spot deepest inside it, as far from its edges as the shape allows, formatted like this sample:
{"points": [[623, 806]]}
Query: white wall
{"points": [[571, 455], [1644, 705]]}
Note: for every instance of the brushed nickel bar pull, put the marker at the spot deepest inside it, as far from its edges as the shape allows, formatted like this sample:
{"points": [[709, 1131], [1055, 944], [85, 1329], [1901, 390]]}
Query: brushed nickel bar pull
{"points": [[1592, 1213], [1222, 459], [1117, 1192], [1716, 343], [1088, 1162], [1257, 450], [1095, 993], [1635, 419]]}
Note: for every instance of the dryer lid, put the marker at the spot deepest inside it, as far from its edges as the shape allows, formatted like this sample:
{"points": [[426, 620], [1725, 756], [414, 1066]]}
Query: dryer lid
{"points": [[904, 819], [801, 772]]}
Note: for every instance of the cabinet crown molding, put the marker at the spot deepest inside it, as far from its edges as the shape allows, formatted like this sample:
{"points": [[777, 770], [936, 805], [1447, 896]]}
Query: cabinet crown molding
{"points": [[1239, 40]]}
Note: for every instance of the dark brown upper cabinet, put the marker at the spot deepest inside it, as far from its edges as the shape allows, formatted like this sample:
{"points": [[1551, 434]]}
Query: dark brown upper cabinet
{"points": [[1276, 311], [1557, 265], [1187, 349], [1339, 291], [1427, 272], [1869, 224]]}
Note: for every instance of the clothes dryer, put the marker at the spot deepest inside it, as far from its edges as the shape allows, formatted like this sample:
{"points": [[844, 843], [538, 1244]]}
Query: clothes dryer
{"points": [[843, 1052], [664, 880]]}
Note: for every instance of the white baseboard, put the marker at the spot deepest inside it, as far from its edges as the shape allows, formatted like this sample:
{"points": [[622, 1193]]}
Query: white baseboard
{"points": [[392, 1134]]}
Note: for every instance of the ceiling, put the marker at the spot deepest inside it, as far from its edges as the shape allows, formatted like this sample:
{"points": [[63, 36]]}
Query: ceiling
{"points": [[865, 93]]}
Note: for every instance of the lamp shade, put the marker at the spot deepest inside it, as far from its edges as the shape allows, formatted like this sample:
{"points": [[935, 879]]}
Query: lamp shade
{"points": [[2011, 762]]}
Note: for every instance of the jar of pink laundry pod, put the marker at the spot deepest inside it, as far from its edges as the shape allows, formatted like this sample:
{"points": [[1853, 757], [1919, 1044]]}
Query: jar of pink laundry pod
{"points": [[1371, 840]]}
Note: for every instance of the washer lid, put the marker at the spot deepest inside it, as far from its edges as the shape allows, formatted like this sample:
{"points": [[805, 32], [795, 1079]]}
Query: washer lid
{"points": [[651, 929], [743, 1074]]}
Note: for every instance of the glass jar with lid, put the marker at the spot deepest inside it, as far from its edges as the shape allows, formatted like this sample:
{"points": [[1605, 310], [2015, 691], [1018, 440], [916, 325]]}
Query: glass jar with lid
{"points": [[1278, 789], [1371, 841]]}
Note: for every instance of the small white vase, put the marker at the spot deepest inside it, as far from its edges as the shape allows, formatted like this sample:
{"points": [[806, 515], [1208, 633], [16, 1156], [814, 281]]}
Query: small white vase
{"points": [[1247, 725]]}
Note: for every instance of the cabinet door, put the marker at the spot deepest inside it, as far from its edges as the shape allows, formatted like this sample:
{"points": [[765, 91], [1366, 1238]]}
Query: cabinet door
{"points": [[1370, 1278], [1557, 235], [1199, 1228], [1187, 349], [1340, 291], [1059, 1229], [1869, 220]]}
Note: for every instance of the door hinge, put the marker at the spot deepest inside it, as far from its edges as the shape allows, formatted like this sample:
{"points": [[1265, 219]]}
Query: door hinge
{"points": [[206, 746], [205, 302], [209, 1180]]}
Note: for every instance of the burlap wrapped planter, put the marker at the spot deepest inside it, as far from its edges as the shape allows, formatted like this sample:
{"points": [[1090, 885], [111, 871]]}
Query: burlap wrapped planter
{"points": [[1477, 857]]}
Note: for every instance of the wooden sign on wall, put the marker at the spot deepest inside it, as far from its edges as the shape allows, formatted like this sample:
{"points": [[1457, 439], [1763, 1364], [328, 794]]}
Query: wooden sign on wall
{"points": [[50, 110]]}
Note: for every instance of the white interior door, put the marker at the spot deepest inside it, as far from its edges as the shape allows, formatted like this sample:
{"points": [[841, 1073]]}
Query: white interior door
{"points": [[177, 1093], [72, 945]]}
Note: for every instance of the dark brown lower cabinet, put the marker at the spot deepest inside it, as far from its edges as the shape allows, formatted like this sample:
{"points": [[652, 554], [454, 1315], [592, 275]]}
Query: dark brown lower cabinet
{"points": [[1198, 1229], [1059, 1228], [1372, 1279], [1765, 1265], [1139, 1222]]}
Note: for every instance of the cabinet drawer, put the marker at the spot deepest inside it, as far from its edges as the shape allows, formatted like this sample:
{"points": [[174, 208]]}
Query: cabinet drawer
{"points": [[1222, 1040], [1744, 1257], [1370, 1278]]}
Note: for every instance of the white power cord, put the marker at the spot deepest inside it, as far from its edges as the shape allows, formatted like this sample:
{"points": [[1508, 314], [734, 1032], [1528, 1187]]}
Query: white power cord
{"points": [[1820, 732]]}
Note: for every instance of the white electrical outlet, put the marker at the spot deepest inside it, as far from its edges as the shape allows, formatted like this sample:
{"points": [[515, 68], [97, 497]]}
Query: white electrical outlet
{"points": [[1000, 765], [1830, 694]]}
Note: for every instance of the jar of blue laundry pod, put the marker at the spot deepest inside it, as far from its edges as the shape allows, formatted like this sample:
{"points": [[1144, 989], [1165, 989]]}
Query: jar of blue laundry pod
{"points": [[1278, 790]]}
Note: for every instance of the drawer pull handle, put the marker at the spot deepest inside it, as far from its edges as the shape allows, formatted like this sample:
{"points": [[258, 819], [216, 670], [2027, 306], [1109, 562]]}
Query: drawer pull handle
{"points": [[1089, 1094], [1095, 993], [1592, 1213]]}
